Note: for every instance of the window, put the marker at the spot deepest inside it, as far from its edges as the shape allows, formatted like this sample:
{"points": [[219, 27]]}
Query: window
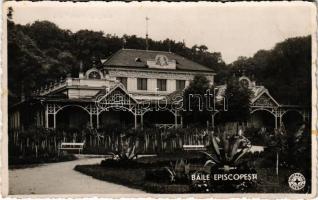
{"points": [[123, 80], [141, 83], [94, 75], [180, 85], [162, 84]]}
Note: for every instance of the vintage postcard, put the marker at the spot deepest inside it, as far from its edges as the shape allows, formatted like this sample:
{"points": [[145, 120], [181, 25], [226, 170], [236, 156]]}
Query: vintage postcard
{"points": [[158, 99]]}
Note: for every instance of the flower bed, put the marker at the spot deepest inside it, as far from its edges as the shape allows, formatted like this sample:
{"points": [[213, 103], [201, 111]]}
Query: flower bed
{"points": [[185, 172], [134, 178]]}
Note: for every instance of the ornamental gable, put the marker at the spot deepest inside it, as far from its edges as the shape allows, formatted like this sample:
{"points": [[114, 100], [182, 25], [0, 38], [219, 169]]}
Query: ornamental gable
{"points": [[265, 100], [116, 97]]}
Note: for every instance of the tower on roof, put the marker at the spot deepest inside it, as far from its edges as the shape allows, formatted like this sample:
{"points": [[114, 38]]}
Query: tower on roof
{"points": [[147, 44]]}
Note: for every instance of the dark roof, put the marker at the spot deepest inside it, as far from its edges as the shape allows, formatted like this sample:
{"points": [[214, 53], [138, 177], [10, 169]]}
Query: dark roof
{"points": [[128, 58]]}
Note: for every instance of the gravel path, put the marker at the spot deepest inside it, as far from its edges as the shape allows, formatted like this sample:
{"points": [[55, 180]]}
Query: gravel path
{"points": [[60, 178]]}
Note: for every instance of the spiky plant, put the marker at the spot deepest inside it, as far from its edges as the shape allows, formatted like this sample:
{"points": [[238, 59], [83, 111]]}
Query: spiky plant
{"points": [[127, 152], [178, 170], [227, 152]]}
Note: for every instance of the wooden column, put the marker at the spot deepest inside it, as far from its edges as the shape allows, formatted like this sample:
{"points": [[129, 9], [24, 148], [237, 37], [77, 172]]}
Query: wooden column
{"points": [[46, 119], [91, 119], [175, 120], [142, 121], [54, 120], [276, 121], [135, 114], [97, 120]]}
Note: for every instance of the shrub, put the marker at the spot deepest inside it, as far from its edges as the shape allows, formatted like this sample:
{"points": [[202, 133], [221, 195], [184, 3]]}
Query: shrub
{"points": [[175, 173]]}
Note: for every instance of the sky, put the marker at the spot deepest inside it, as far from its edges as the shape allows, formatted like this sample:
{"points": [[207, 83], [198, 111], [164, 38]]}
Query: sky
{"points": [[230, 28]]}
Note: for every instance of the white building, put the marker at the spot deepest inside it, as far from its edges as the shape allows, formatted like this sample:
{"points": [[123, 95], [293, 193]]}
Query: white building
{"points": [[124, 80], [127, 88]]}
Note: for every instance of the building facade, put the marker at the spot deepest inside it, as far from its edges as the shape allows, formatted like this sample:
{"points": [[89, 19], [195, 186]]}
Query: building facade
{"points": [[131, 87], [122, 83]]}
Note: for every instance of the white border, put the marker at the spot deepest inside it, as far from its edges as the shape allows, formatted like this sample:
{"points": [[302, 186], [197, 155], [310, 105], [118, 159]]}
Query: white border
{"points": [[4, 109]]}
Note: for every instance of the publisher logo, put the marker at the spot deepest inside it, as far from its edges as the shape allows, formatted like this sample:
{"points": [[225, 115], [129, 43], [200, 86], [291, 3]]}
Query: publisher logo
{"points": [[296, 181]]}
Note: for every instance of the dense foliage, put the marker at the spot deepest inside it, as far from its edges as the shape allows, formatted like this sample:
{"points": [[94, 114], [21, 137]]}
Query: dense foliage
{"points": [[238, 100], [284, 70], [41, 52], [195, 102]]}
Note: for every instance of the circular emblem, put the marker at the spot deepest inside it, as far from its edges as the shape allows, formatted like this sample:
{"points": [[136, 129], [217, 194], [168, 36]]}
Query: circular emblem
{"points": [[296, 181], [161, 60]]}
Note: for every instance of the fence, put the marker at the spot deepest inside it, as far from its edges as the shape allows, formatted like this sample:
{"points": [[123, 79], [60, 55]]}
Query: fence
{"points": [[39, 141]]}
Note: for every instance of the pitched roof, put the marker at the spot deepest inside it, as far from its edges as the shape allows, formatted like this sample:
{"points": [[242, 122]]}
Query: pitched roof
{"points": [[257, 92], [128, 58]]}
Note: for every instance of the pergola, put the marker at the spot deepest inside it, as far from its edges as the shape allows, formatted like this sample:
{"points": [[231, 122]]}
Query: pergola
{"points": [[118, 99]]}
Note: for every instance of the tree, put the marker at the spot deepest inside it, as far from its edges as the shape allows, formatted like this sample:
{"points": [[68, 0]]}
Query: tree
{"points": [[284, 70], [88, 44], [239, 100], [48, 35], [195, 101], [51, 52]]}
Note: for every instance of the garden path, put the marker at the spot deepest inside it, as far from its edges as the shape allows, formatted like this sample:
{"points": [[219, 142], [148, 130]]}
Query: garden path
{"points": [[60, 178]]}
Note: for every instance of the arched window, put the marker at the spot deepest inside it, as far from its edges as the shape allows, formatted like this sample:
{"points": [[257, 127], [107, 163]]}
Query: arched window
{"points": [[94, 75]]}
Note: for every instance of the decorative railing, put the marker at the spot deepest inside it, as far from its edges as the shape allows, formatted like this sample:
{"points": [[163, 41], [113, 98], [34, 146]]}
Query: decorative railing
{"points": [[62, 82], [51, 87]]}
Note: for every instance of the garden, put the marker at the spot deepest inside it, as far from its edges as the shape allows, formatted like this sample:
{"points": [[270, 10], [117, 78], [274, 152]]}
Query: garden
{"points": [[155, 160], [227, 165]]}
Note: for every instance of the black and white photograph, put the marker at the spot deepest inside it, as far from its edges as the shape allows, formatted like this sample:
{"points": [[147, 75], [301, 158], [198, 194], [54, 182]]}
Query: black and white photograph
{"points": [[155, 98]]}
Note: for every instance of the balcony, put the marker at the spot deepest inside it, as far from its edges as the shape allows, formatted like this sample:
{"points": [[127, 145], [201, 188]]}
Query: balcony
{"points": [[73, 82]]}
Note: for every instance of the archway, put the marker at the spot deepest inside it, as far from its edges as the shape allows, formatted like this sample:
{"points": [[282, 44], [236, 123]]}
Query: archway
{"points": [[292, 120], [72, 117], [116, 117], [262, 119], [158, 117]]}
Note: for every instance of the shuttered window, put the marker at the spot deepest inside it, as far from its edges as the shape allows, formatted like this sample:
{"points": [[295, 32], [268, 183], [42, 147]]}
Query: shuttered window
{"points": [[180, 85], [141, 83], [162, 84]]}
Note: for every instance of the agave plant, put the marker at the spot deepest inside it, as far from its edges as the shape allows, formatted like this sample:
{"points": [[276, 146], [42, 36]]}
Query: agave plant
{"points": [[128, 152], [178, 171], [227, 151]]}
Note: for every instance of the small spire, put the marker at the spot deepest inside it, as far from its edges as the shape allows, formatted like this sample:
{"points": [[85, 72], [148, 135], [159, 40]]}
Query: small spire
{"points": [[147, 44], [81, 66]]}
